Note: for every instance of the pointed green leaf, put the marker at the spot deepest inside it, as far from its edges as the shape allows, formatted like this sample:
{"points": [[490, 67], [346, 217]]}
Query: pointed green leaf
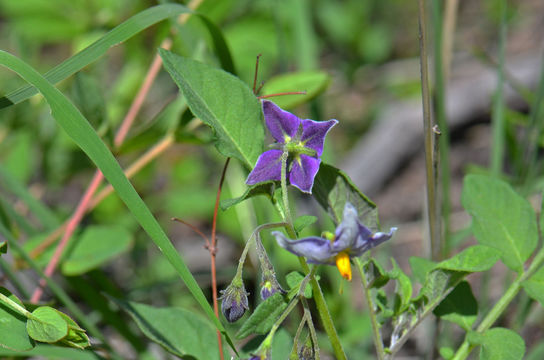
{"points": [[293, 280], [46, 325], [378, 277], [501, 219], [223, 102], [333, 188], [403, 289], [179, 331], [13, 333], [502, 344], [96, 246], [459, 306], [3, 247], [264, 316]]}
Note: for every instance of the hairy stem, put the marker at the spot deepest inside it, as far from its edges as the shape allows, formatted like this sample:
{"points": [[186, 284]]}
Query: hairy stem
{"points": [[376, 335]]}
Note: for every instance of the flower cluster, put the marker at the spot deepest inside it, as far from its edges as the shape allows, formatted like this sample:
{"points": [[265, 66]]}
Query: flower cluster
{"points": [[303, 140]]}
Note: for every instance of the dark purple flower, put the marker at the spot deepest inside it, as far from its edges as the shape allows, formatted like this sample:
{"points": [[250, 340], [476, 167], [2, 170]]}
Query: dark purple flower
{"points": [[351, 239], [302, 138], [234, 300]]}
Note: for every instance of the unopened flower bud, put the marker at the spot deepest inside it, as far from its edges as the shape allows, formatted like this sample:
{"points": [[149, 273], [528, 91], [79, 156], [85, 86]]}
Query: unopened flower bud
{"points": [[234, 300], [269, 285]]}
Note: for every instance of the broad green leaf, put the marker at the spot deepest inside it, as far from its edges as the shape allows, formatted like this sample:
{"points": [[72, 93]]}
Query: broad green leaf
{"points": [[75, 125], [303, 221], [436, 287], [420, 267], [46, 325], [312, 82], [265, 188], [13, 333], [223, 102], [534, 286], [459, 306], [179, 331], [293, 280], [52, 352], [119, 34], [263, 317], [501, 219], [333, 188], [473, 259], [502, 344], [96, 246]]}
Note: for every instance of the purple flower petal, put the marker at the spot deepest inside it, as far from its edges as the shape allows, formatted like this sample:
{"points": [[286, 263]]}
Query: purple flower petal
{"points": [[280, 122], [303, 171], [313, 133], [364, 244], [268, 167], [316, 249], [349, 229]]}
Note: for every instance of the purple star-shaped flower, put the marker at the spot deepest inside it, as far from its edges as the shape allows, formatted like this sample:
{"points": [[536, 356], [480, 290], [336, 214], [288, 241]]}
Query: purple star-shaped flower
{"points": [[302, 138], [351, 239]]}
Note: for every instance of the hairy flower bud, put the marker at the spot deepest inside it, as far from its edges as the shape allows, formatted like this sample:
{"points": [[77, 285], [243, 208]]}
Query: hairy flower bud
{"points": [[234, 300], [269, 285]]}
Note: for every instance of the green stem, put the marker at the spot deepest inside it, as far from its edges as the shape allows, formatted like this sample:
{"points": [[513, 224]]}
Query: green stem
{"points": [[497, 310], [12, 304], [319, 298], [376, 335], [311, 328], [250, 241]]}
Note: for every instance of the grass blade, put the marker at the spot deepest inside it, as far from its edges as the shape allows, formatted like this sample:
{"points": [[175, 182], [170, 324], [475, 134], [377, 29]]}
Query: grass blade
{"points": [[77, 127], [119, 34]]}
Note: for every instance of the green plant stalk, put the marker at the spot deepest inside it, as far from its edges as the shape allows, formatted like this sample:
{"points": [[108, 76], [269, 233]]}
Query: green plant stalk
{"points": [[498, 136], [376, 335], [442, 54], [311, 328], [434, 220], [501, 305], [320, 303], [12, 304]]}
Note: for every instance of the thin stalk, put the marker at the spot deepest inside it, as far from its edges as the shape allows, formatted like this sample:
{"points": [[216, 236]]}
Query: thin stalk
{"points": [[443, 30], [501, 305], [319, 298], [498, 131], [213, 253], [12, 304], [311, 328], [376, 335]]}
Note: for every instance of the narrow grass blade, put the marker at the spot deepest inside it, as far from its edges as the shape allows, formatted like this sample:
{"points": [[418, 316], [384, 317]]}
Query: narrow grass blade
{"points": [[119, 34], [77, 127]]}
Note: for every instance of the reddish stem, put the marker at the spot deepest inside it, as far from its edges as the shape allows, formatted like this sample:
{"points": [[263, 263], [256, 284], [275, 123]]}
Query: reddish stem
{"points": [[213, 252], [282, 94]]}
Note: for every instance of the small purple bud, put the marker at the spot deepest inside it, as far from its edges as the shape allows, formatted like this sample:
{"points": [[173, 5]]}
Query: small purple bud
{"points": [[269, 288], [234, 301]]}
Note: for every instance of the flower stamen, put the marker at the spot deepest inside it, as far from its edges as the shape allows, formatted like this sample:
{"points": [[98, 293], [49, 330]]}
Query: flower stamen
{"points": [[343, 265]]}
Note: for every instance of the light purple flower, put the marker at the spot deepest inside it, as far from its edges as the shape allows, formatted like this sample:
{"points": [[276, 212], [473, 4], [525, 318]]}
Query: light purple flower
{"points": [[302, 138], [351, 239]]}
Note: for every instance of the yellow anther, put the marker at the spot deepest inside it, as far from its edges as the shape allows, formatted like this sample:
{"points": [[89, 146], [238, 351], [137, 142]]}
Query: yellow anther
{"points": [[286, 139], [343, 265]]}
